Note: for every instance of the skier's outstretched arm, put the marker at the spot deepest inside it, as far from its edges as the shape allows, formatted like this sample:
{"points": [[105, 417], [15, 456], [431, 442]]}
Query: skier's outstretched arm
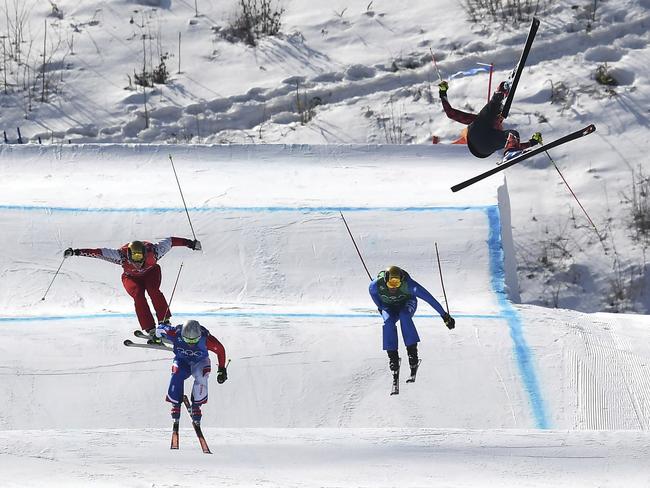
{"points": [[216, 347], [111, 255], [454, 114], [421, 292], [163, 247], [166, 330]]}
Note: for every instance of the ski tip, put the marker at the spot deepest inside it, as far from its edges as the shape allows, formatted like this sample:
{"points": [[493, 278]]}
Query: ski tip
{"points": [[589, 129], [128, 342]]}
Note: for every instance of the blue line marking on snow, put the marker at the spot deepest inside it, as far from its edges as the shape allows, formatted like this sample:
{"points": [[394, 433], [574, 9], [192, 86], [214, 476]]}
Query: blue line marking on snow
{"points": [[31, 208], [523, 353], [229, 314]]}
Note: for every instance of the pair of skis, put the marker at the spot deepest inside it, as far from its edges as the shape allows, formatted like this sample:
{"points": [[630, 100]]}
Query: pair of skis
{"points": [[197, 430], [411, 379], [528, 153], [164, 345]]}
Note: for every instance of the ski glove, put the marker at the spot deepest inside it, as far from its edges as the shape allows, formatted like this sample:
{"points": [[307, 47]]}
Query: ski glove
{"points": [[70, 252], [196, 245], [222, 375], [537, 138], [443, 86], [449, 321]]}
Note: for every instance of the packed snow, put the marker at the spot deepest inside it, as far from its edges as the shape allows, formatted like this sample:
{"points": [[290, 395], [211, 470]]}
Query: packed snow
{"points": [[521, 393]]}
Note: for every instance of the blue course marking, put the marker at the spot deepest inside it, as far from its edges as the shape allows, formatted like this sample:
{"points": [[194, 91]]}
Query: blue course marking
{"points": [[242, 209], [229, 314], [523, 354]]}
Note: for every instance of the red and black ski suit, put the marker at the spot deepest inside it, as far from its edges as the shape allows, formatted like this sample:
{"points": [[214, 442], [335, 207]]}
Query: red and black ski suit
{"points": [[485, 133], [147, 278]]}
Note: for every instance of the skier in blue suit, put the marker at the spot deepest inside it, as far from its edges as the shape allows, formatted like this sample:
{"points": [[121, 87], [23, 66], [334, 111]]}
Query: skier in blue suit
{"points": [[395, 293], [192, 342]]}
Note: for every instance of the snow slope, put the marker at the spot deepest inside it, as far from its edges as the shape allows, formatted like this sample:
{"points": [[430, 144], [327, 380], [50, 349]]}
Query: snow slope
{"points": [[514, 395]]}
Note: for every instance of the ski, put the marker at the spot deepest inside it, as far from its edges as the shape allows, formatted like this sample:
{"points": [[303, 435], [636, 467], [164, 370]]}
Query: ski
{"points": [[197, 427], [414, 372], [516, 74], [140, 334], [130, 343], [526, 154], [174, 444]]}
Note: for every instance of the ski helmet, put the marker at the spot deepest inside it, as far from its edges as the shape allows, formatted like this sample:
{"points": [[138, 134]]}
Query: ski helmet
{"points": [[136, 252], [393, 276], [191, 332]]}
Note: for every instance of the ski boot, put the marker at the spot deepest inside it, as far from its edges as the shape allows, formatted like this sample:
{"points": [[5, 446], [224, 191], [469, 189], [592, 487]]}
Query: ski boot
{"points": [[153, 339], [512, 148], [176, 411], [196, 413], [393, 364], [414, 362]]}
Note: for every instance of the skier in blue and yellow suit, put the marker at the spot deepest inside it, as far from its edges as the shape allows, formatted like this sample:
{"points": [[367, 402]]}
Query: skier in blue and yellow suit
{"points": [[395, 293]]}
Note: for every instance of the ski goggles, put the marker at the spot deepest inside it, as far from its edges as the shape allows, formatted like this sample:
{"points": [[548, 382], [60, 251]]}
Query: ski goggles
{"points": [[191, 340], [394, 282], [137, 256]]}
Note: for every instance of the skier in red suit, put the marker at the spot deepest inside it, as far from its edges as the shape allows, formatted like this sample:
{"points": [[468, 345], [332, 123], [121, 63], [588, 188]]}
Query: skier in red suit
{"points": [[139, 260], [485, 133]]}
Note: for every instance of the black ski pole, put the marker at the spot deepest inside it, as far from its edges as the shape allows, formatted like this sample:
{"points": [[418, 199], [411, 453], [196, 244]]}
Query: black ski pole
{"points": [[182, 197], [169, 304], [355, 246], [53, 278], [444, 293]]}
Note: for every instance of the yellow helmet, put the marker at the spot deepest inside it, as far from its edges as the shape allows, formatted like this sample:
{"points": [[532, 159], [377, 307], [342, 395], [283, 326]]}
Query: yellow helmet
{"points": [[393, 276], [136, 252]]}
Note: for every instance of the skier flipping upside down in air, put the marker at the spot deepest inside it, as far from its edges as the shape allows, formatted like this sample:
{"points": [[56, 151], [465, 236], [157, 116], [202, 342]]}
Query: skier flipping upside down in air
{"points": [[485, 133]]}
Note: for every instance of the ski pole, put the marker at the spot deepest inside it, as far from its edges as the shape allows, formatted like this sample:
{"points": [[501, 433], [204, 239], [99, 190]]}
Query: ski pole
{"points": [[355, 246], [491, 66], [444, 293], [169, 304], [576, 199], [182, 197], [53, 278], [435, 65]]}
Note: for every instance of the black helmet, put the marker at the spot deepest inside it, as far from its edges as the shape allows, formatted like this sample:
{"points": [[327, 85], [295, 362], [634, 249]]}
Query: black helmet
{"points": [[191, 332], [136, 252]]}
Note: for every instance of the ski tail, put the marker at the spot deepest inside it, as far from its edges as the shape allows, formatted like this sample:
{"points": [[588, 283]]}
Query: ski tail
{"points": [[197, 427], [516, 74], [527, 154], [174, 443]]}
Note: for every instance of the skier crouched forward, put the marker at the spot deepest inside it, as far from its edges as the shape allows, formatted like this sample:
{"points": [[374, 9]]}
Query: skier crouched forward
{"points": [[395, 293], [191, 343], [485, 133]]}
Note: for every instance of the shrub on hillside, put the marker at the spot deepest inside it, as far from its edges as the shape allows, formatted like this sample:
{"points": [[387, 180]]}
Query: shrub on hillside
{"points": [[503, 11], [253, 20], [604, 76]]}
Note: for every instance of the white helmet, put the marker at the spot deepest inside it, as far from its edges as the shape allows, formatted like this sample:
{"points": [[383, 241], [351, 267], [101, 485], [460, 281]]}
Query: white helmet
{"points": [[191, 332]]}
